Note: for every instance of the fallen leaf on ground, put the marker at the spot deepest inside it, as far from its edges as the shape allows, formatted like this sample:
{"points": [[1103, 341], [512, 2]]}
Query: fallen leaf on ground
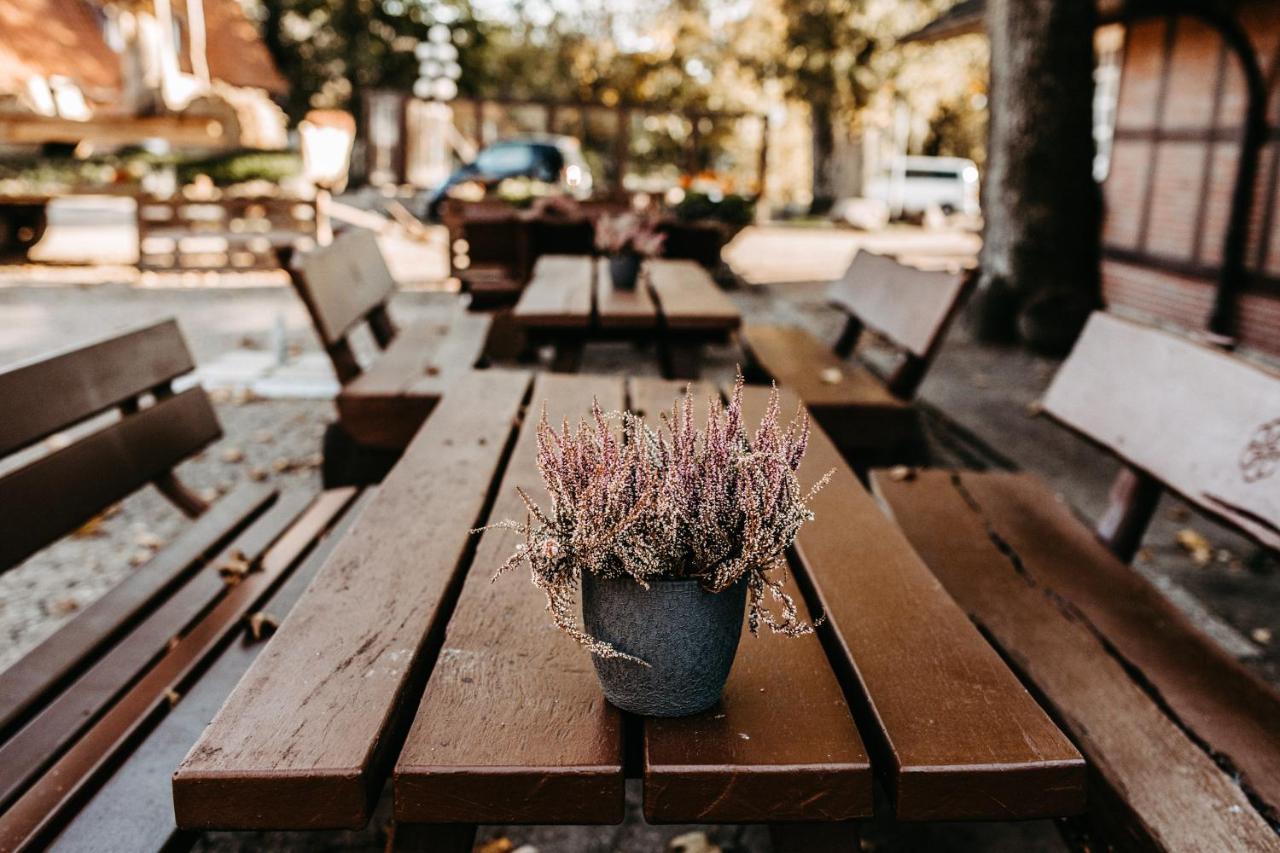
{"points": [[262, 624], [1196, 545], [831, 376], [902, 473], [1261, 636], [232, 455], [257, 474], [1144, 555], [139, 557], [497, 845], [173, 696], [692, 842], [1034, 408], [147, 539], [64, 606], [234, 568], [92, 527]]}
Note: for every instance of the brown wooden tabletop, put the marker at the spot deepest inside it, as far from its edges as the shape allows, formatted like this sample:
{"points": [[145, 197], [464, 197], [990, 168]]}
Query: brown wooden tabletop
{"points": [[403, 660], [571, 300]]}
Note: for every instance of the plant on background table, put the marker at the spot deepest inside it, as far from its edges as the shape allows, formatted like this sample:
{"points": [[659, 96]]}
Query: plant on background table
{"points": [[627, 239], [670, 533]]}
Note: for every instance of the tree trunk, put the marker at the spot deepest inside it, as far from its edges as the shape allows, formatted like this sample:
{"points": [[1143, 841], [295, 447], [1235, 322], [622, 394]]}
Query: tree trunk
{"points": [[1040, 255], [824, 151]]}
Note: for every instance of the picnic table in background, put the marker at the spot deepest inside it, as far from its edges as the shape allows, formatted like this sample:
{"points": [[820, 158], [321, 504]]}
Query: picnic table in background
{"points": [[571, 301], [511, 725]]}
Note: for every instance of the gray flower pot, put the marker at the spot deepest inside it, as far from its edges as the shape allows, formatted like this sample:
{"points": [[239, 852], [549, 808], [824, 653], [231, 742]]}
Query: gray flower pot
{"points": [[687, 636], [624, 269]]}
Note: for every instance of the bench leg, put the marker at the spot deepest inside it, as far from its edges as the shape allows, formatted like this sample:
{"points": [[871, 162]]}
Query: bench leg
{"points": [[681, 359], [432, 837], [814, 837], [568, 357]]}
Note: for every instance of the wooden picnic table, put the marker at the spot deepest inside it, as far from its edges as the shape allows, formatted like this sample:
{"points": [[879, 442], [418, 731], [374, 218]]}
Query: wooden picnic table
{"points": [[571, 301], [403, 662]]}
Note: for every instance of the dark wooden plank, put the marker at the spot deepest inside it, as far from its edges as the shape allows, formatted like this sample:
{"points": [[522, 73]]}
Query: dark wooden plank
{"points": [[343, 282], [622, 309], [49, 732], [62, 490], [45, 805], [1208, 690], [951, 728], [88, 379], [1149, 782], [856, 409], [559, 294], [762, 752], [688, 299], [33, 676], [305, 739], [1125, 384], [909, 306], [513, 727], [133, 809]]}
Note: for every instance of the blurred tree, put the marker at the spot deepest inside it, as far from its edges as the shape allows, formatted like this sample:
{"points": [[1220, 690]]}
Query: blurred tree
{"points": [[1042, 207]]}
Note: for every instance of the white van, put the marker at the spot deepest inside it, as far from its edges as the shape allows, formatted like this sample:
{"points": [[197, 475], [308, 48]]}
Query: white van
{"points": [[913, 185]]}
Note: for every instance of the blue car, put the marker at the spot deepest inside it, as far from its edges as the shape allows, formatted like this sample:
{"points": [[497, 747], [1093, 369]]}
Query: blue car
{"points": [[550, 159]]}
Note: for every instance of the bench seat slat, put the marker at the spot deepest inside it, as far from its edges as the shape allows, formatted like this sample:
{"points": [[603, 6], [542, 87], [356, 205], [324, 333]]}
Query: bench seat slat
{"points": [[305, 739], [955, 733], [559, 294], [59, 491], [89, 378], [46, 802], [513, 726], [781, 742], [49, 732], [1212, 693], [1151, 784], [133, 810], [857, 411], [51, 663]]}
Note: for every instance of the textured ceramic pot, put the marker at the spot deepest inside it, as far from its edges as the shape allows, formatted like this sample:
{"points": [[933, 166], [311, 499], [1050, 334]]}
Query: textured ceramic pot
{"points": [[687, 635], [624, 269]]}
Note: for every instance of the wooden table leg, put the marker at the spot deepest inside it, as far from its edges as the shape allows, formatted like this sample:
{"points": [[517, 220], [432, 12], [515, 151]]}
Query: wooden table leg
{"points": [[814, 837], [680, 359], [568, 357], [432, 837]]}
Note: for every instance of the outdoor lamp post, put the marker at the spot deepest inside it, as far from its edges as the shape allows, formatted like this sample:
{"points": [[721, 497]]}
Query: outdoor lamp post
{"points": [[326, 138]]}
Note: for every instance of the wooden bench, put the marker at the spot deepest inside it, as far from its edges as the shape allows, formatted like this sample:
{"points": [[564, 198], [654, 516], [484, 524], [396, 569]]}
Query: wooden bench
{"points": [[511, 725], [382, 404], [869, 416], [1184, 740], [74, 709]]}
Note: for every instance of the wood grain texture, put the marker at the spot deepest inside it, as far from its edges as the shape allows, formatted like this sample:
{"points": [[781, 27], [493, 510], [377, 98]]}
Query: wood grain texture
{"points": [[386, 404], [133, 809], [61, 490], [909, 306], [43, 807], [1208, 690], [88, 379], [36, 674], [1125, 384], [956, 736], [622, 309], [62, 720], [1150, 784], [513, 727], [305, 739], [781, 745], [560, 293], [687, 297], [857, 411], [342, 282]]}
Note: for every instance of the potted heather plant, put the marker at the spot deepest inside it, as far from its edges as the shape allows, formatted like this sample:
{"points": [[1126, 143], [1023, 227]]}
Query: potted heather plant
{"points": [[671, 534], [627, 239]]}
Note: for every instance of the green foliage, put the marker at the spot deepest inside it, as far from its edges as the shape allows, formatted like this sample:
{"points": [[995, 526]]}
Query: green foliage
{"points": [[237, 167]]}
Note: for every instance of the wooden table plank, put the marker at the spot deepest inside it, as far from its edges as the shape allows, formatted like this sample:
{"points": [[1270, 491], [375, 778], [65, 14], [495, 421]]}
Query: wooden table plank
{"points": [[559, 295], [688, 299], [953, 731], [622, 309], [305, 739], [1150, 782], [513, 727], [780, 745]]}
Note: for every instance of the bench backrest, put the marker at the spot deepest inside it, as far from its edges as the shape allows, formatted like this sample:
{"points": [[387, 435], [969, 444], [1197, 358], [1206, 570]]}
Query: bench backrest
{"points": [[52, 494], [908, 307], [342, 285], [1197, 420]]}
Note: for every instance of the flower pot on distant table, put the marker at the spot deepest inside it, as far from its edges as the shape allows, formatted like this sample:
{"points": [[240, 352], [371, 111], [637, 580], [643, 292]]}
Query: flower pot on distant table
{"points": [[624, 269], [686, 635]]}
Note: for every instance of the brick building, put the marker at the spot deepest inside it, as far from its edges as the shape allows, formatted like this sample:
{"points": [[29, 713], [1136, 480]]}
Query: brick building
{"points": [[1188, 85]]}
